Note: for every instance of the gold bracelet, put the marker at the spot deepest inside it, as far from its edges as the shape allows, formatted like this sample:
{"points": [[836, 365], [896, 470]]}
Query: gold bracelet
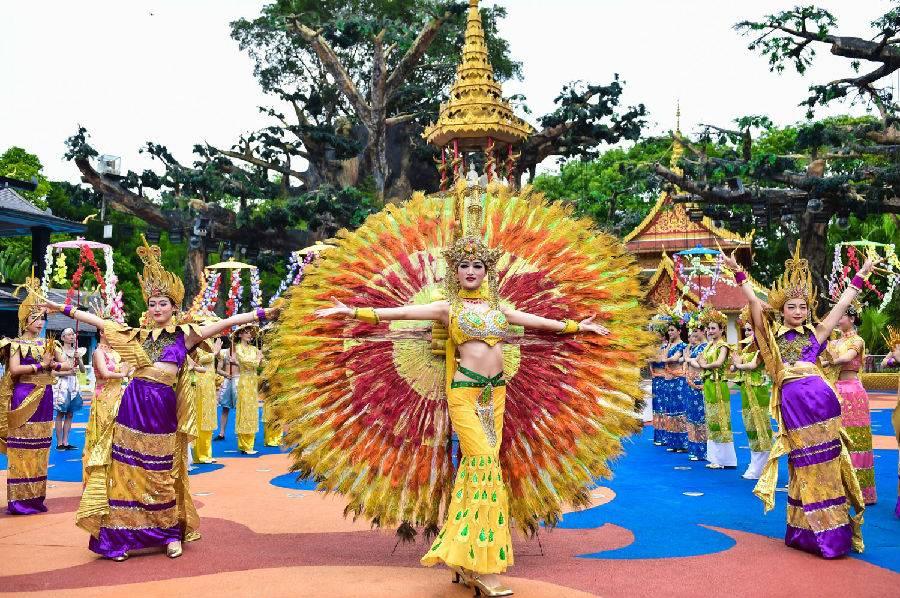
{"points": [[366, 314], [569, 327]]}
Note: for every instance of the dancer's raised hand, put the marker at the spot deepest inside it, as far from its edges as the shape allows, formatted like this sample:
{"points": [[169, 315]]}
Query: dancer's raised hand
{"points": [[339, 309], [587, 325]]}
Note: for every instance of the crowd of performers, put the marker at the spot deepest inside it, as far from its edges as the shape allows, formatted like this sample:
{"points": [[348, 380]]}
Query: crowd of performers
{"points": [[791, 370], [155, 395], [159, 386]]}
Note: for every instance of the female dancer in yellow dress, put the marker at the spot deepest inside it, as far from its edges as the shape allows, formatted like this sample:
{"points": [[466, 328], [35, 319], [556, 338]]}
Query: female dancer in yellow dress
{"points": [[246, 420], [368, 404], [111, 378], [475, 540], [206, 397], [821, 481], [141, 499], [26, 406]]}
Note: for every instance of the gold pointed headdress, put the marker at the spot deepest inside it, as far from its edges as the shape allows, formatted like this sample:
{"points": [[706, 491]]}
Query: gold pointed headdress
{"points": [[31, 304], [469, 246], [711, 315], [157, 281], [893, 337], [795, 283], [744, 316]]}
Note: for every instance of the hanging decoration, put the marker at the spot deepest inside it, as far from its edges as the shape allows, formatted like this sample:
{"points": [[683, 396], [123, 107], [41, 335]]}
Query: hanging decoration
{"points": [[233, 304], [840, 271], [110, 295], [297, 263], [693, 265]]}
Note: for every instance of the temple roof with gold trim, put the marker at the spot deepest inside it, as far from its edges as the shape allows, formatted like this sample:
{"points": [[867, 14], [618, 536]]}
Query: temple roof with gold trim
{"points": [[476, 109]]}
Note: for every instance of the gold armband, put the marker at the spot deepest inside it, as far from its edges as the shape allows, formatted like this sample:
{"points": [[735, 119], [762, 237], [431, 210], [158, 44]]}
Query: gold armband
{"points": [[569, 327], [366, 314]]}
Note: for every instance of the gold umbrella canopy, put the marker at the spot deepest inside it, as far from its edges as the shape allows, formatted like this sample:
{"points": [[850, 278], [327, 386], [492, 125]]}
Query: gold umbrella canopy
{"points": [[231, 265]]}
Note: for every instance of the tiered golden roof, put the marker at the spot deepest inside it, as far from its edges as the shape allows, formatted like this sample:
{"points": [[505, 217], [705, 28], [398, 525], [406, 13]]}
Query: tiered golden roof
{"points": [[476, 109]]}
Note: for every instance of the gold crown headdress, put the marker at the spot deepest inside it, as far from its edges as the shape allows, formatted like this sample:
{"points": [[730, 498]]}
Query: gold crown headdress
{"points": [[795, 283], [157, 281], [893, 337], [744, 316], [31, 304], [469, 246], [711, 315]]}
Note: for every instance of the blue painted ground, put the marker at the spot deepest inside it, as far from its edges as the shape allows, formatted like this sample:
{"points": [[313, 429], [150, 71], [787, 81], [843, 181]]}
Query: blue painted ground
{"points": [[650, 486]]}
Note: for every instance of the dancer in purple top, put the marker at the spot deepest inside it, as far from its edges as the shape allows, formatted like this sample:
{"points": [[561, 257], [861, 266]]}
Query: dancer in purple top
{"points": [[822, 483], [139, 497], [26, 406]]}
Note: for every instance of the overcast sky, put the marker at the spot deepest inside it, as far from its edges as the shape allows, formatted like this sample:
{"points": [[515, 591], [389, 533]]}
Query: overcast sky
{"points": [[167, 70]]}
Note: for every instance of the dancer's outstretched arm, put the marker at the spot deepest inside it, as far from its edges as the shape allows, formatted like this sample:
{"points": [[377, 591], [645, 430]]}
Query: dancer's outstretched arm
{"points": [[438, 310], [215, 328], [521, 318], [829, 322], [756, 306]]}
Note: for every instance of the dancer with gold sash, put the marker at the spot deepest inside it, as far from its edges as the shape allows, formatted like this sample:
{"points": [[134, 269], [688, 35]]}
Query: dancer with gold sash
{"points": [[414, 345], [111, 375], [140, 497], [26, 406], [822, 484]]}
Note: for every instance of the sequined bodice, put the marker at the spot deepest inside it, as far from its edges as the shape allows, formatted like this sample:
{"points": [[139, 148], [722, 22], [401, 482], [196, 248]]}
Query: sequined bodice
{"points": [[845, 344], [247, 357], [488, 326], [795, 347], [167, 347]]}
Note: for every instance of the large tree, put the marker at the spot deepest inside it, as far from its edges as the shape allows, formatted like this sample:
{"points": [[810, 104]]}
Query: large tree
{"points": [[356, 81], [839, 167]]}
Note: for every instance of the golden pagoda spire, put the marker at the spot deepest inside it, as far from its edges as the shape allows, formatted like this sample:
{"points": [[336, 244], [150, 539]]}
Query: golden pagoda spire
{"points": [[476, 115], [677, 147]]}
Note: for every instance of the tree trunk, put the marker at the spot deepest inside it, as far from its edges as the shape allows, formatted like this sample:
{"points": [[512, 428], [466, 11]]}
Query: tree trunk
{"points": [[193, 273], [814, 247]]}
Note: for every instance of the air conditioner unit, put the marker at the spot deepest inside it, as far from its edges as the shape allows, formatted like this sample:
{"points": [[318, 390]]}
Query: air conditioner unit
{"points": [[108, 164]]}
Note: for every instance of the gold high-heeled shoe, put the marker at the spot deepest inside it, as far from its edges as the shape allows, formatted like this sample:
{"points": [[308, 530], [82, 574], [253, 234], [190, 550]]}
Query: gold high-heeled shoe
{"points": [[462, 576], [481, 589], [174, 550], [120, 558]]}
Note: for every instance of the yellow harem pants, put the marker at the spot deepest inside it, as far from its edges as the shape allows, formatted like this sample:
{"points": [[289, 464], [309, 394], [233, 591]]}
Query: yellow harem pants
{"points": [[272, 433], [245, 442], [476, 535], [203, 447]]}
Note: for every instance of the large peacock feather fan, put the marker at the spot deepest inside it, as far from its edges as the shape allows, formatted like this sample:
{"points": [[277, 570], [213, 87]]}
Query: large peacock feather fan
{"points": [[364, 405]]}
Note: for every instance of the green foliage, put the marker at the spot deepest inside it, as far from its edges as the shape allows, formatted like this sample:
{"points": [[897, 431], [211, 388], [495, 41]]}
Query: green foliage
{"points": [[16, 163], [613, 189], [15, 260], [872, 330], [327, 207], [590, 118]]}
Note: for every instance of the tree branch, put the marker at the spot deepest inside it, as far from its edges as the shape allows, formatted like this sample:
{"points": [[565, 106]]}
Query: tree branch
{"points": [[332, 64], [414, 55]]}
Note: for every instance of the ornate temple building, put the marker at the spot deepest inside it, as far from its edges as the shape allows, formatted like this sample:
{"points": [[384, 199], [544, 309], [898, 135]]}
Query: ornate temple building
{"points": [[670, 228], [476, 117]]}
